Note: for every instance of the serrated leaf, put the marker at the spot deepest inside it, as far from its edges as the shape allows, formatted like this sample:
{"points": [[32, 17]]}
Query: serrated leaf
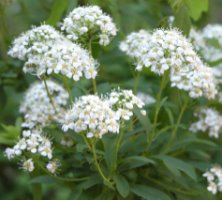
{"points": [[149, 193]]}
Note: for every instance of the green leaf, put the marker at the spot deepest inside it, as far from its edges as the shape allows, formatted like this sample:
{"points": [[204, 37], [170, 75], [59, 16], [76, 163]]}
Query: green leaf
{"points": [[109, 146], [58, 9], [43, 180], [9, 134], [149, 193], [93, 180], [122, 185], [170, 115], [182, 20], [196, 8], [134, 162], [175, 166], [75, 194]]}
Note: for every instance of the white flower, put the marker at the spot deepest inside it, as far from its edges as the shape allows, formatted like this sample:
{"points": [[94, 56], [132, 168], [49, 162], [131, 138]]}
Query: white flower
{"points": [[37, 109], [208, 41], [91, 115], [214, 179], [89, 20], [123, 102], [28, 165], [10, 153], [52, 166], [168, 50], [136, 44], [146, 98], [212, 187], [208, 120]]}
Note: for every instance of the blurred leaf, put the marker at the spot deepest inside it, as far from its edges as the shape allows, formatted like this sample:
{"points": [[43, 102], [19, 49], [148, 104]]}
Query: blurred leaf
{"points": [[149, 193], [109, 146], [93, 180], [176, 165], [196, 8], [9, 134], [75, 194], [182, 20], [170, 115], [134, 162], [122, 185], [43, 180], [58, 9]]}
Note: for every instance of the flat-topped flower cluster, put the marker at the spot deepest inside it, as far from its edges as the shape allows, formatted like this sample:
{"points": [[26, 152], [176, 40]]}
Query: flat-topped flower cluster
{"points": [[165, 50], [83, 22], [97, 116], [47, 51], [91, 115]]}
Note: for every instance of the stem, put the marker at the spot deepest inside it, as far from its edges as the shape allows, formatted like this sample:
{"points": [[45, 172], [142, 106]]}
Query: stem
{"points": [[157, 109], [37, 191], [68, 88], [94, 85], [97, 165], [92, 149], [49, 95], [117, 146], [136, 83], [174, 132]]}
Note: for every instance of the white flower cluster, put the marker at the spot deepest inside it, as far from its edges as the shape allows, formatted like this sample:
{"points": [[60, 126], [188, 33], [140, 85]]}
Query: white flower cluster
{"points": [[47, 51], [169, 50], [37, 108], [89, 20], [123, 102], [32, 43], [208, 41], [214, 179], [146, 98], [33, 142], [91, 115], [136, 44], [70, 60], [208, 120]]}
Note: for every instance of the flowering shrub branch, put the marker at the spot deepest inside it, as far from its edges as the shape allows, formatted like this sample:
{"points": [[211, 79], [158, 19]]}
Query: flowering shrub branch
{"points": [[106, 140]]}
